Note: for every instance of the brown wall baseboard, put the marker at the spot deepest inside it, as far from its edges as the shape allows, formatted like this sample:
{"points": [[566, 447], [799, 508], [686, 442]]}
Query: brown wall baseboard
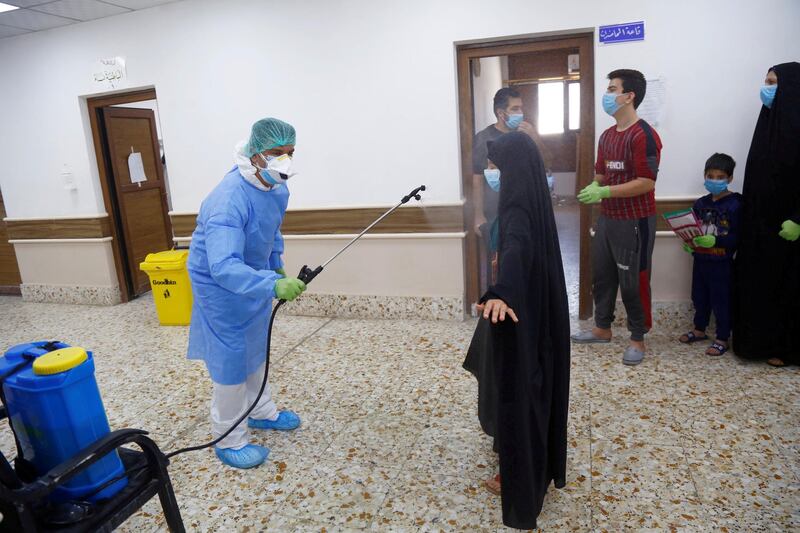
{"points": [[183, 225], [434, 219], [74, 228], [662, 206]]}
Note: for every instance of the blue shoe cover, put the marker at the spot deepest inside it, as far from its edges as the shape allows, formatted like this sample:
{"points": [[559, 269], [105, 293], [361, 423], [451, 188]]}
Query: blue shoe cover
{"points": [[287, 420], [250, 456]]}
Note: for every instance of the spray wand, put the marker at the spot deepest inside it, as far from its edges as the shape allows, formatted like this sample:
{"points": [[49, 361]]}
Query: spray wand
{"points": [[306, 275]]}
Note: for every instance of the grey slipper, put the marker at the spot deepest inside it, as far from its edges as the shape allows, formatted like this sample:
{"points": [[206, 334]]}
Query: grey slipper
{"points": [[587, 337], [632, 356]]}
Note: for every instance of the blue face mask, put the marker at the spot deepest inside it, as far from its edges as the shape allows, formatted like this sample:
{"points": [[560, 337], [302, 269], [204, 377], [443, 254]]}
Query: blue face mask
{"points": [[492, 176], [716, 186], [550, 181], [610, 104], [514, 121], [768, 94]]}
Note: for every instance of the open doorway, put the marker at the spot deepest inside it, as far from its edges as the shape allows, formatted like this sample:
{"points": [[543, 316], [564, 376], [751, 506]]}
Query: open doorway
{"points": [[552, 79], [132, 168]]}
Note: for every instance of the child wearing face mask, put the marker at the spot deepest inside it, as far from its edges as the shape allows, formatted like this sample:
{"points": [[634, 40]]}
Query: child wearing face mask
{"points": [[712, 276]]}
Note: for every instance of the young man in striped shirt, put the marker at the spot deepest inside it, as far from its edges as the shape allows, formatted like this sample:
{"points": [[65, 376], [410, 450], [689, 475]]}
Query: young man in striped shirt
{"points": [[628, 156]]}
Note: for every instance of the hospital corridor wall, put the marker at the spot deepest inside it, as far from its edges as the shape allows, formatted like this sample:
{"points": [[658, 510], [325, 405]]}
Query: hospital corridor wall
{"points": [[372, 92]]}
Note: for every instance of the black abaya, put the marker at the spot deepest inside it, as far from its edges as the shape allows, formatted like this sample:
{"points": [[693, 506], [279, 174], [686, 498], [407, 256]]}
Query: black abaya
{"points": [[766, 308], [527, 377], [481, 362]]}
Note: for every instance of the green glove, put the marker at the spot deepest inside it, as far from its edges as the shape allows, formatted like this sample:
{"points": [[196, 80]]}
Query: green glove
{"points": [[289, 288], [280, 271], [687, 248], [593, 193], [790, 230], [705, 241]]}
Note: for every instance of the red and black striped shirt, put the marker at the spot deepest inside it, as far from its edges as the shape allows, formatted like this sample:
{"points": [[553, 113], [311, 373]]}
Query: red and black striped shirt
{"points": [[623, 156]]}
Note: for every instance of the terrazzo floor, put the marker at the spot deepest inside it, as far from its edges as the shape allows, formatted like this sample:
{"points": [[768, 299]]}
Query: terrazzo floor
{"points": [[568, 222], [390, 439]]}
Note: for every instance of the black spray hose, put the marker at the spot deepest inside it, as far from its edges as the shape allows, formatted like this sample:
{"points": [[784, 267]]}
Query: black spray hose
{"points": [[306, 275], [132, 471], [255, 402]]}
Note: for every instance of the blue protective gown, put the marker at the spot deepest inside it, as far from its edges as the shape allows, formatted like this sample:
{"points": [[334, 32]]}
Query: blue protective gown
{"points": [[235, 250]]}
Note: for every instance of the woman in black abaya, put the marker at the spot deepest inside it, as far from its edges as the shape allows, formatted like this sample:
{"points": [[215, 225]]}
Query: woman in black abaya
{"points": [[766, 309], [521, 351]]}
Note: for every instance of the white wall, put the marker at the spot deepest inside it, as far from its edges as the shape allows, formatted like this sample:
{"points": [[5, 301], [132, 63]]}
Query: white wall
{"points": [[483, 89], [399, 265], [370, 88], [91, 262], [672, 270]]}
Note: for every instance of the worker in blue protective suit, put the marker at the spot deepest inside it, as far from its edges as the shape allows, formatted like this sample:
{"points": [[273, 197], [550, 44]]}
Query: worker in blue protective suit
{"points": [[236, 270]]}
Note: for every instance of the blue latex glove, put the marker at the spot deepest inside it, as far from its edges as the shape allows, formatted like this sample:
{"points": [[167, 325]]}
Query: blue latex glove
{"points": [[289, 288], [705, 241], [594, 193], [790, 230]]}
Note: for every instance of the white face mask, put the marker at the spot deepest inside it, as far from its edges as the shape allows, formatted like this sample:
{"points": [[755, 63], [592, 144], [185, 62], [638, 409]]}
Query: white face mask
{"points": [[278, 169]]}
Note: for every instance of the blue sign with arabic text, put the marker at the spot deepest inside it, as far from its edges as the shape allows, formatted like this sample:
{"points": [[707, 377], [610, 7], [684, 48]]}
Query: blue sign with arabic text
{"points": [[622, 33]]}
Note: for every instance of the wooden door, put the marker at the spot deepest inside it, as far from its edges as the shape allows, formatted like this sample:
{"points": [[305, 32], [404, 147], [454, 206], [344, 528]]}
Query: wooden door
{"points": [[9, 269], [583, 43], [526, 72], [141, 208]]}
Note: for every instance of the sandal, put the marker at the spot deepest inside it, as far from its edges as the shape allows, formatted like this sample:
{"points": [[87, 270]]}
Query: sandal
{"points": [[489, 484], [691, 338], [720, 348], [776, 362]]}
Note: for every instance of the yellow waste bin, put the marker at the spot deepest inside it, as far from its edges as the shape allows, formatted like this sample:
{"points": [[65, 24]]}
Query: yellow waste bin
{"points": [[172, 290]]}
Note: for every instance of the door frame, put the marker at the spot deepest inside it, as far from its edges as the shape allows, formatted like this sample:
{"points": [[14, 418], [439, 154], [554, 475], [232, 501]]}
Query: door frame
{"points": [[95, 105], [583, 40], [14, 289]]}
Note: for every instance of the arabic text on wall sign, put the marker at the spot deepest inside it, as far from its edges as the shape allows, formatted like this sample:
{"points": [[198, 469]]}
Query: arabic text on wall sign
{"points": [[109, 72], [622, 33]]}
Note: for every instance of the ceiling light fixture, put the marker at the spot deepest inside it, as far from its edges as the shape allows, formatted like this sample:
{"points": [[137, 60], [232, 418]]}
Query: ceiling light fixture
{"points": [[7, 7]]}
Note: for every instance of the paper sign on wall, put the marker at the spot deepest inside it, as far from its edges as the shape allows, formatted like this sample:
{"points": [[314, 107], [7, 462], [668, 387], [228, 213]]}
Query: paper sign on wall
{"points": [[110, 72], [69, 181], [136, 168], [652, 107], [573, 63]]}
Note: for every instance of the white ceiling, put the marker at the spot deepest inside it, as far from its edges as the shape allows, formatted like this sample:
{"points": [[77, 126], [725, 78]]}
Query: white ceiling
{"points": [[38, 15]]}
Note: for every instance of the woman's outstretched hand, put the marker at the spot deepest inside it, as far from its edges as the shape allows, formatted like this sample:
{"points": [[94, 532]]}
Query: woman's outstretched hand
{"points": [[496, 309]]}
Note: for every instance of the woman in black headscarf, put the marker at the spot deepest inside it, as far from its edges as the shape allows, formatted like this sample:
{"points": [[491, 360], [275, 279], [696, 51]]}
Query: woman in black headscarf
{"points": [[767, 286], [521, 352]]}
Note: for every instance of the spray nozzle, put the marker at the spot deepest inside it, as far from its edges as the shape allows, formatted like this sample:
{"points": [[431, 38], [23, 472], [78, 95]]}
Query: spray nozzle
{"points": [[413, 194], [307, 274]]}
